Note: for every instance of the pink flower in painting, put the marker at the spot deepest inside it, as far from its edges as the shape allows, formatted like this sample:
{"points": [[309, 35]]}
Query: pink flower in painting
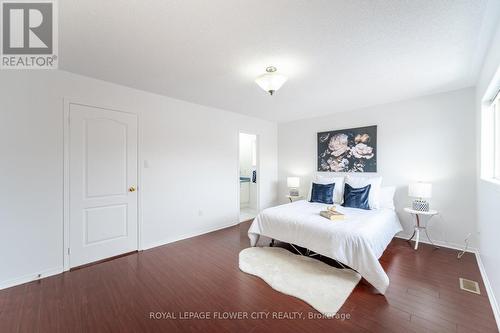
{"points": [[338, 144], [338, 165], [362, 151], [363, 138]]}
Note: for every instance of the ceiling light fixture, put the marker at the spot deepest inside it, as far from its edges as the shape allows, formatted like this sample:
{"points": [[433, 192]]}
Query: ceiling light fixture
{"points": [[271, 81]]}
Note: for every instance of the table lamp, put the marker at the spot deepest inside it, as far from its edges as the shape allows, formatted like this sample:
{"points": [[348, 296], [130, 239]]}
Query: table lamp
{"points": [[293, 184], [420, 191]]}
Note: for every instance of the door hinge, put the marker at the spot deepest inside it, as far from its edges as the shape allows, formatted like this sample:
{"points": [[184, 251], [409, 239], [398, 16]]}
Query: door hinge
{"points": [[69, 251]]}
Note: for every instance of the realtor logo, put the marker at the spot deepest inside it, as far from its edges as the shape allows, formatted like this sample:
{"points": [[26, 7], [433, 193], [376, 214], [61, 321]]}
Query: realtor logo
{"points": [[29, 35]]}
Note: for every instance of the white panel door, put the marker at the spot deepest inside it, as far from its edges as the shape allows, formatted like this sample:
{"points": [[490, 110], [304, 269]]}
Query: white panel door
{"points": [[103, 183]]}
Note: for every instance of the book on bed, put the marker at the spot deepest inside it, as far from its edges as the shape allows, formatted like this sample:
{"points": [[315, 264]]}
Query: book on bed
{"points": [[332, 215]]}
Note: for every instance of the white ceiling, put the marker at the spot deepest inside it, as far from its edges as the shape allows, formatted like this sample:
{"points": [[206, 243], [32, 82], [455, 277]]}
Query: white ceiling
{"points": [[339, 55]]}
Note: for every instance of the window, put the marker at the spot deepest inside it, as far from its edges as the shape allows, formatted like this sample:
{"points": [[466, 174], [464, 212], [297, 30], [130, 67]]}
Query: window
{"points": [[490, 140], [496, 130]]}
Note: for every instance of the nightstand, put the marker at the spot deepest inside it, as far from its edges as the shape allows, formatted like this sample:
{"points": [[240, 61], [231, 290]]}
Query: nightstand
{"points": [[421, 221], [293, 198]]}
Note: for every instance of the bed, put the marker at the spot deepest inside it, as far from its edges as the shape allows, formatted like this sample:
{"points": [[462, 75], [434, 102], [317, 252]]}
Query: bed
{"points": [[358, 241]]}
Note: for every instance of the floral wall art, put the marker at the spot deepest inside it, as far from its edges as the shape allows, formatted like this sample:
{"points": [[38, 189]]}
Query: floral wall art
{"points": [[348, 150]]}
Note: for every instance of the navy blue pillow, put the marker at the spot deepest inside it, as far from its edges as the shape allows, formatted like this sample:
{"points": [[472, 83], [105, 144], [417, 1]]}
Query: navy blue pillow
{"points": [[356, 197], [322, 193]]}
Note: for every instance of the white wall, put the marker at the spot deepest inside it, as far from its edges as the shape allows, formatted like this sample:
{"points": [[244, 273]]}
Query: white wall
{"points": [[430, 138], [192, 151], [488, 194]]}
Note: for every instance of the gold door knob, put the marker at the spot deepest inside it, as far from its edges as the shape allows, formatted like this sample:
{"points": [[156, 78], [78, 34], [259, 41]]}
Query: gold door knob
{"points": [[132, 188]]}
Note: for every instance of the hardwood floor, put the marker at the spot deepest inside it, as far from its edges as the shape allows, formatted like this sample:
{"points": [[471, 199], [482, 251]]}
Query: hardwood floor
{"points": [[201, 274]]}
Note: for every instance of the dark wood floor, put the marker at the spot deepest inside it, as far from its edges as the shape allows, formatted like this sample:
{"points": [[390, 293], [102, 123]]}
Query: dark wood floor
{"points": [[201, 274]]}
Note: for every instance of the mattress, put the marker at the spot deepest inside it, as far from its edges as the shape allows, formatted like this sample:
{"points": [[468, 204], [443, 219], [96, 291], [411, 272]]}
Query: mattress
{"points": [[358, 241]]}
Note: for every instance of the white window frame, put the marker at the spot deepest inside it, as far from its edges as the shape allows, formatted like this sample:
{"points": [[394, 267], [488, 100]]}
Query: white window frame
{"points": [[496, 137], [490, 139]]}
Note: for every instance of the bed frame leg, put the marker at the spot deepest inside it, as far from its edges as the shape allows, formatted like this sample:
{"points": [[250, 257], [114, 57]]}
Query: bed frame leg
{"points": [[272, 242], [293, 246]]}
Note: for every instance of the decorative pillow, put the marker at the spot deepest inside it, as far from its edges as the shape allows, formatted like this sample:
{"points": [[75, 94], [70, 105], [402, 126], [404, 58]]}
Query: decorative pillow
{"points": [[356, 197], [325, 178], [322, 193], [338, 192], [375, 182]]}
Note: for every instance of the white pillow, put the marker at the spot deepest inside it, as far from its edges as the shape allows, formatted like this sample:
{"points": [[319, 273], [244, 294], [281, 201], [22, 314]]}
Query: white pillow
{"points": [[387, 197], [375, 182], [338, 190]]}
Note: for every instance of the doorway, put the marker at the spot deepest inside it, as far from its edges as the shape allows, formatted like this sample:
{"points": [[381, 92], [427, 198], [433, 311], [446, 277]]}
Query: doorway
{"points": [[248, 176], [102, 184]]}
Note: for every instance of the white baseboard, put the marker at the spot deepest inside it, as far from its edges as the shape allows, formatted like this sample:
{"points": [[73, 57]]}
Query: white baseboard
{"points": [[49, 272], [30, 277], [489, 290], [186, 236], [449, 245]]}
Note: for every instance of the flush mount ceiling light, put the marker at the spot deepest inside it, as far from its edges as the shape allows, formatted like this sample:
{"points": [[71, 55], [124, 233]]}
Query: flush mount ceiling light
{"points": [[271, 81]]}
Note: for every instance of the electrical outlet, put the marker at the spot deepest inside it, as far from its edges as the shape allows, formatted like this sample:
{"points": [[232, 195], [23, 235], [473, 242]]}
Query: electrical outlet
{"points": [[200, 212]]}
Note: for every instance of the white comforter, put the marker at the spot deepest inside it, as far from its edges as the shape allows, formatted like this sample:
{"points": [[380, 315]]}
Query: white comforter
{"points": [[358, 241]]}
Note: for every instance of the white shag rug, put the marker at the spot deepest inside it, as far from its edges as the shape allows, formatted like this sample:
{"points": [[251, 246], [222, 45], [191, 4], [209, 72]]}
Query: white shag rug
{"points": [[322, 286]]}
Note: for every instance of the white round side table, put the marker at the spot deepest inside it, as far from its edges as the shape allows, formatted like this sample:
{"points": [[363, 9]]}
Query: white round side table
{"points": [[421, 221]]}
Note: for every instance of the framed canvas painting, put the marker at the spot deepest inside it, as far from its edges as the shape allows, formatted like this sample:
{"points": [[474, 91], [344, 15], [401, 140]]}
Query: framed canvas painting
{"points": [[348, 150]]}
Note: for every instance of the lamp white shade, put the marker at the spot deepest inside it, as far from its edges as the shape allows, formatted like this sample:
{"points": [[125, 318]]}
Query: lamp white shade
{"points": [[271, 82], [420, 190], [293, 182]]}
